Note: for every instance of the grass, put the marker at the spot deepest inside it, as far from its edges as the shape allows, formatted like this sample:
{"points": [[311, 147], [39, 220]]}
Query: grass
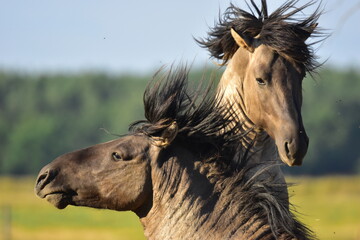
{"points": [[330, 206]]}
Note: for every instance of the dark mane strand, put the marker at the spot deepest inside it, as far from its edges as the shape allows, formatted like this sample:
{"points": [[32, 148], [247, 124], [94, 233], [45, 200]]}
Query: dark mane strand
{"points": [[198, 114], [282, 30]]}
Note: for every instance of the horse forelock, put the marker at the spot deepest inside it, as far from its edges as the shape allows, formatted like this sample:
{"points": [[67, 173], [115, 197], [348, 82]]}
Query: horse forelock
{"points": [[282, 30]]}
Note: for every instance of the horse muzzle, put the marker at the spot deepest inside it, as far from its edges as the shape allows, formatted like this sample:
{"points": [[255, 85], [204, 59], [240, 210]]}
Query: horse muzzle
{"points": [[44, 188], [293, 150]]}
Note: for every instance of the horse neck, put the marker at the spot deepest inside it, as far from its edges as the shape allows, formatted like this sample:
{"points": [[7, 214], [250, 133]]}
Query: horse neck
{"points": [[231, 90], [186, 205]]}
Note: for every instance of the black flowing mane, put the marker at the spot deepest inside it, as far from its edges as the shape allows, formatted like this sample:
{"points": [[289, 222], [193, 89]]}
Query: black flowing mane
{"points": [[279, 30], [201, 120]]}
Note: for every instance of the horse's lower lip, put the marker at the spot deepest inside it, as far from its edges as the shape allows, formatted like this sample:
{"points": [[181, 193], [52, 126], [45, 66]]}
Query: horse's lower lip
{"points": [[53, 194], [59, 199], [291, 162]]}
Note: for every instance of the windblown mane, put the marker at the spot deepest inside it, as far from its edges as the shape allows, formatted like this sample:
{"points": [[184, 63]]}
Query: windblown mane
{"points": [[260, 197], [279, 30], [200, 118]]}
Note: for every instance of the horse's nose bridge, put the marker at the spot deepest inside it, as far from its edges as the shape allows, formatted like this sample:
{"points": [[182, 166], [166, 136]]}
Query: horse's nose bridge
{"points": [[294, 106], [293, 129], [290, 116]]}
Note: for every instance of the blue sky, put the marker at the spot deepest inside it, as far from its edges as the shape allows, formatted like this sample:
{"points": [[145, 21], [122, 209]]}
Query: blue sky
{"points": [[139, 35]]}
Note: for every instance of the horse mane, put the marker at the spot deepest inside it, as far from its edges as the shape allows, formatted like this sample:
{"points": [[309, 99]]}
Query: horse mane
{"points": [[256, 196], [200, 118], [281, 30], [204, 126]]}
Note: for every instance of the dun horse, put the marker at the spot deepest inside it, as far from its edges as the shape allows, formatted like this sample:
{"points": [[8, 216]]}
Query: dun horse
{"points": [[267, 59], [177, 170]]}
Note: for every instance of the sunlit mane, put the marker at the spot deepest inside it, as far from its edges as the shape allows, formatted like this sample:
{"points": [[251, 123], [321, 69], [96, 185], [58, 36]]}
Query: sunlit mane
{"points": [[283, 30], [198, 114]]}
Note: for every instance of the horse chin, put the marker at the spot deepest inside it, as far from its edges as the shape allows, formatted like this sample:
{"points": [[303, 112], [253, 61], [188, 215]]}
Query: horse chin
{"points": [[290, 162], [59, 200]]}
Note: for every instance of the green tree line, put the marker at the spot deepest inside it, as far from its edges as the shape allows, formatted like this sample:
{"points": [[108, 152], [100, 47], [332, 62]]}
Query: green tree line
{"points": [[45, 115]]}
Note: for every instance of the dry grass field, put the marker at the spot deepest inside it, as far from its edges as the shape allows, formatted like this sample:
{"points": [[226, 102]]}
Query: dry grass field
{"points": [[330, 206]]}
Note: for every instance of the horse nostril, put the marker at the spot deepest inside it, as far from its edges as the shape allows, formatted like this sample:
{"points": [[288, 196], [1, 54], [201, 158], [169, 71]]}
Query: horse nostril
{"points": [[41, 178], [287, 150], [44, 178]]}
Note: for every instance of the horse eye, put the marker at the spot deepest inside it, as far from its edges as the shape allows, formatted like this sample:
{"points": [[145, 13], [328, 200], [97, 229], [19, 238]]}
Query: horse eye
{"points": [[116, 156], [260, 81]]}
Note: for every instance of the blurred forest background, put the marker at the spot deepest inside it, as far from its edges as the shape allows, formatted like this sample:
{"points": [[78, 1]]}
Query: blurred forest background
{"points": [[45, 115]]}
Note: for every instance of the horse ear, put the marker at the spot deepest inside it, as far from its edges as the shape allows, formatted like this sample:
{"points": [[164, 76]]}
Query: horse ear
{"points": [[309, 31], [243, 42], [167, 135]]}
